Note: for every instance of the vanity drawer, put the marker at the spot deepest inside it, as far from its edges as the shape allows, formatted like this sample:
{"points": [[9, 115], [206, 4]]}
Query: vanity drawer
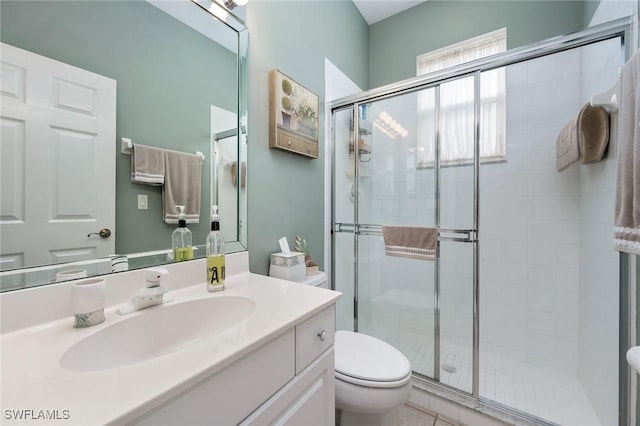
{"points": [[235, 392], [314, 336]]}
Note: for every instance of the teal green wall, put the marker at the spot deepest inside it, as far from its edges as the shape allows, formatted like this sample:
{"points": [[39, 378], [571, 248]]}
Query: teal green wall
{"points": [[395, 42], [286, 192], [589, 8], [166, 81]]}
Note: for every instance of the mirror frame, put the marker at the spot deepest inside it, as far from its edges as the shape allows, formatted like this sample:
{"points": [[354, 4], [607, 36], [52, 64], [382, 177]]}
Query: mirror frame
{"points": [[239, 26], [159, 257]]}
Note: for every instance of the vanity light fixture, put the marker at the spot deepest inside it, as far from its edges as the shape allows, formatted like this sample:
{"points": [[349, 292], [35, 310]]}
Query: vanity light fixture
{"points": [[217, 10], [388, 125], [231, 4], [220, 8], [380, 125]]}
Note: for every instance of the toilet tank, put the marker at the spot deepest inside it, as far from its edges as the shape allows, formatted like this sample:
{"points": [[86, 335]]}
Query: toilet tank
{"points": [[317, 280]]}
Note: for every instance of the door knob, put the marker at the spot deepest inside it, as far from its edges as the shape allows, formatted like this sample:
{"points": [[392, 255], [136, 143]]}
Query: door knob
{"points": [[104, 233]]}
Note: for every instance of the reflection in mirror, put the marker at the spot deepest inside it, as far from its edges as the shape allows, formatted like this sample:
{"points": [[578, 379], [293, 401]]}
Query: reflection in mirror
{"points": [[77, 77]]}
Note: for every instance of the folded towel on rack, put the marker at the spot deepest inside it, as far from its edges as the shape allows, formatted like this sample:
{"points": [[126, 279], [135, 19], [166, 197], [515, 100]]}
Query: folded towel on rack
{"points": [[627, 208], [567, 146], [182, 186], [147, 165], [593, 133], [584, 138], [410, 241]]}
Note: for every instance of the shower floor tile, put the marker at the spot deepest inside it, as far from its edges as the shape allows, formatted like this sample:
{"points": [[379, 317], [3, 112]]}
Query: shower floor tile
{"points": [[543, 393]]}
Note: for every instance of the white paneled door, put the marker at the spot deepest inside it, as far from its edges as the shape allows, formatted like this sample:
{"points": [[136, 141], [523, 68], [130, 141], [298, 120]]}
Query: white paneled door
{"points": [[57, 161]]}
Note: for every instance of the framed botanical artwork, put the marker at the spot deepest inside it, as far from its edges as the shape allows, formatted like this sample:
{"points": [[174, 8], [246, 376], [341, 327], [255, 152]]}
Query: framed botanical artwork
{"points": [[293, 116]]}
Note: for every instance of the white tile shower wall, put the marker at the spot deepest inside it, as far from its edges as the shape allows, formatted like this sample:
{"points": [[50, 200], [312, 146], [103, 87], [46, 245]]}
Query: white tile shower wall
{"points": [[529, 224], [599, 286]]}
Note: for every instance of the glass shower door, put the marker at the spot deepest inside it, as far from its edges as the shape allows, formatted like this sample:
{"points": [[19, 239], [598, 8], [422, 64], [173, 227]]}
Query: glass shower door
{"points": [[549, 342], [396, 295], [343, 259], [423, 308]]}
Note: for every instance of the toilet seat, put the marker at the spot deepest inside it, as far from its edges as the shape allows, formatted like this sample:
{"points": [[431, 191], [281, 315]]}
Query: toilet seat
{"points": [[364, 360], [370, 383]]}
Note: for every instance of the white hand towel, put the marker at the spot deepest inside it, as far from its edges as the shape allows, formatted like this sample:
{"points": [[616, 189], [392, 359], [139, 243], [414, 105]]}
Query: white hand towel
{"points": [[627, 210], [182, 186], [147, 165], [410, 241]]}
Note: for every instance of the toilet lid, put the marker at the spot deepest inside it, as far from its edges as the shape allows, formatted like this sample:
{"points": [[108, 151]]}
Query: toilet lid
{"points": [[367, 358]]}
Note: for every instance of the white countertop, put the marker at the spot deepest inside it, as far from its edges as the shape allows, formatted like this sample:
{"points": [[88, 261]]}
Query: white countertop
{"points": [[32, 378]]}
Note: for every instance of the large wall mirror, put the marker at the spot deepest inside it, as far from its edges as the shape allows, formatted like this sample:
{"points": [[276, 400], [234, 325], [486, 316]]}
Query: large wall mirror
{"points": [[79, 80]]}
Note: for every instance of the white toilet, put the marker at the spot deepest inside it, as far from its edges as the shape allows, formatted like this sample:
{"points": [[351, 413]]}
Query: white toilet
{"points": [[372, 377]]}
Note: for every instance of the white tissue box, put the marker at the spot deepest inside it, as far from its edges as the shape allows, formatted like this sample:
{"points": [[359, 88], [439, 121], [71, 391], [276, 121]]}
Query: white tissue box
{"points": [[288, 266]]}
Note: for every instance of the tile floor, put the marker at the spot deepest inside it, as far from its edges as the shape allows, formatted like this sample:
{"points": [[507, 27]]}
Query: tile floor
{"points": [[407, 415], [533, 390]]}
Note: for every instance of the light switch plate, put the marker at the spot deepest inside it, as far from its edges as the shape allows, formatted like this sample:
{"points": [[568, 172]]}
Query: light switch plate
{"points": [[143, 203]]}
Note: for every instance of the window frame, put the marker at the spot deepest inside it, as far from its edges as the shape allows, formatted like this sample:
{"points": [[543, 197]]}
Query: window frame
{"points": [[492, 148]]}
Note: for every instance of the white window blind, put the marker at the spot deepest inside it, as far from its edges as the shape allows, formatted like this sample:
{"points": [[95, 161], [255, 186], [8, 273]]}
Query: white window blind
{"points": [[456, 104]]}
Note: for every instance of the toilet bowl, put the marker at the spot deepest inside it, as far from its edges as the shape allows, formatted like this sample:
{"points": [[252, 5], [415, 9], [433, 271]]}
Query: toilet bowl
{"points": [[372, 378]]}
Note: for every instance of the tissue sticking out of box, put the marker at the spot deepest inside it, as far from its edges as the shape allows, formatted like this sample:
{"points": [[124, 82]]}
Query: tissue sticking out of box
{"points": [[284, 245]]}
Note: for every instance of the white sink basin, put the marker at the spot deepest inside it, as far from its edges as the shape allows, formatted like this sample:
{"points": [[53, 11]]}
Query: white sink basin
{"points": [[156, 331]]}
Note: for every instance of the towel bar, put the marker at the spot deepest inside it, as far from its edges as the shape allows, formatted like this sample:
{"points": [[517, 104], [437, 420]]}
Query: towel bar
{"points": [[126, 147], [608, 99], [469, 235]]}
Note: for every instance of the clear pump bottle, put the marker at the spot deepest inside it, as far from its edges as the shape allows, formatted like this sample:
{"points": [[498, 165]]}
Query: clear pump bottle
{"points": [[215, 254], [181, 239]]}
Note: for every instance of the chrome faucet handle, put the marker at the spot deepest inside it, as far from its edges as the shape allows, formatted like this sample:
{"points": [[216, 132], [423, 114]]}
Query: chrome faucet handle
{"points": [[153, 276], [151, 294]]}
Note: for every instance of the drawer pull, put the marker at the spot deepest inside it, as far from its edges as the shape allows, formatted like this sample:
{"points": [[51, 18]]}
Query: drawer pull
{"points": [[322, 335]]}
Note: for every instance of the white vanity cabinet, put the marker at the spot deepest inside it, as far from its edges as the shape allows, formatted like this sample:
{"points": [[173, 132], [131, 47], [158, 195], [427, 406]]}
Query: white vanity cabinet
{"points": [[288, 380]]}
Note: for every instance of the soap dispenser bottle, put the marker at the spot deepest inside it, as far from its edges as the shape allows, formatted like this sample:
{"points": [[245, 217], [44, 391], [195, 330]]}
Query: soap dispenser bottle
{"points": [[181, 239], [215, 254]]}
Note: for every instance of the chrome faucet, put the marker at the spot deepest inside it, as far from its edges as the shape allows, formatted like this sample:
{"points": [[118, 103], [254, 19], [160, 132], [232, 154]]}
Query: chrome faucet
{"points": [[150, 295]]}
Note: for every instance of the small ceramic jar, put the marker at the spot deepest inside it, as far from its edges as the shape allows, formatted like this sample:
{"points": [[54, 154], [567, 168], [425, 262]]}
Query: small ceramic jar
{"points": [[87, 302]]}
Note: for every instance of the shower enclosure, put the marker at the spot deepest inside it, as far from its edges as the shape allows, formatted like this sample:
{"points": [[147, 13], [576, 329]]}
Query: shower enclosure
{"points": [[519, 313]]}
